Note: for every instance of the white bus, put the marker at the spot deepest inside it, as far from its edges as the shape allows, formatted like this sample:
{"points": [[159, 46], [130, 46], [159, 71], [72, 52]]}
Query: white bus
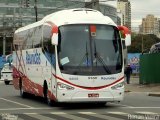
{"points": [[70, 56]]}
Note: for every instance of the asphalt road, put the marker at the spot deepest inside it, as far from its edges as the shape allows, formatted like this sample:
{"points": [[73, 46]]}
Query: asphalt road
{"points": [[136, 105]]}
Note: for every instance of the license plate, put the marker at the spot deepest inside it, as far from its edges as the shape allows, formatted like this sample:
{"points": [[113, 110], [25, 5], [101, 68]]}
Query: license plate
{"points": [[93, 95]]}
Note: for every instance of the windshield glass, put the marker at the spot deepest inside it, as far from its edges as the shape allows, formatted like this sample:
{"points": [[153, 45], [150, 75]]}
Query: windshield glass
{"points": [[89, 49]]}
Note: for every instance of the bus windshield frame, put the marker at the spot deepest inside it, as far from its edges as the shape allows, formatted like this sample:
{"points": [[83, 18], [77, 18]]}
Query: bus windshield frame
{"points": [[89, 49]]}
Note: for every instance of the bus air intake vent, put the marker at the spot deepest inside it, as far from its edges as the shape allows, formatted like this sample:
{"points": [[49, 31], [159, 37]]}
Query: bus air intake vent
{"points": [[75, 10]]}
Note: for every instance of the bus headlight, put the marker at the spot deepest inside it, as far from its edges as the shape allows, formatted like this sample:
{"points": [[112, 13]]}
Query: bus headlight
{"points": [[117, 86], [62, 86]]}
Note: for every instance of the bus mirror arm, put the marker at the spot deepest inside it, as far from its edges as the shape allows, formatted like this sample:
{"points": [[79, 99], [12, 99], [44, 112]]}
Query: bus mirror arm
{"points": [[125, 34], [128, 39], [55, 39]]}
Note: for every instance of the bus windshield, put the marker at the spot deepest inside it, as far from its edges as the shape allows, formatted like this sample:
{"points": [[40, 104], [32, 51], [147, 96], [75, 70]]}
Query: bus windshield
{"points": [[89, 49]]}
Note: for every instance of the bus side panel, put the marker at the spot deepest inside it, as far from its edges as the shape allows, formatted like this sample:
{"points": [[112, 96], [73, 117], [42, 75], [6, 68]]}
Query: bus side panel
{"points": [[16, 77], [48, 70], [34, 75], [32, 87]]}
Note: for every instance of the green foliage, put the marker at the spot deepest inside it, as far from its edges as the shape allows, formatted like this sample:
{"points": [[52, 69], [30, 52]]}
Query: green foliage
{"points": [[137, 39]]}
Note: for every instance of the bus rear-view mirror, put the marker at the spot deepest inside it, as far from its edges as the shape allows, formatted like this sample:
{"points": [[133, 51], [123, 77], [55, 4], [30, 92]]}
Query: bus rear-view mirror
{"points": [[125, 34], [55, 35]]}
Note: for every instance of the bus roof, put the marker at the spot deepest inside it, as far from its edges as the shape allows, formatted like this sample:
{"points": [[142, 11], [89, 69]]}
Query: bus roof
{"points": [[72, 16]]}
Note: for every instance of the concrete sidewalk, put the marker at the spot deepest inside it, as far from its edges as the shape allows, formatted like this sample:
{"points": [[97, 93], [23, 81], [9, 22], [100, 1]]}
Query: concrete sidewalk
{"points": [[134, 86]]}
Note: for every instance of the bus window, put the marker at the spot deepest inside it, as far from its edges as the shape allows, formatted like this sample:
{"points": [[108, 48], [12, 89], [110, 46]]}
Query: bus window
{"points": [[37, 38], [47, 39]]}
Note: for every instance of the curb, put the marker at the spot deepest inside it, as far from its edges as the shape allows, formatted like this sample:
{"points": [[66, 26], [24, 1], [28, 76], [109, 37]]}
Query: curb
{"points": [[154, 94], [126, 91]]}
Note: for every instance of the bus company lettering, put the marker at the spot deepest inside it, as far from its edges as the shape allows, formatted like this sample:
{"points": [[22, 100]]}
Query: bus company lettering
{"points": [[92, 78], [73, 78], [33, 58], [108, 78]]}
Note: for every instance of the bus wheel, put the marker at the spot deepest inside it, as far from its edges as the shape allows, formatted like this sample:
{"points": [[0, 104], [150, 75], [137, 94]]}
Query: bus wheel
{"points": [[22, 93], [46, 96], [7, 82]]}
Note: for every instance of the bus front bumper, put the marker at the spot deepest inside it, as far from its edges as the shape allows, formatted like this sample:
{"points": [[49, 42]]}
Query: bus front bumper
{"points": [[91, 96]]}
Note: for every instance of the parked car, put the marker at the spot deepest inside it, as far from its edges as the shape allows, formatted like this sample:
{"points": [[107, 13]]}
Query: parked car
{"points": [[155, 48], [6, 73]]}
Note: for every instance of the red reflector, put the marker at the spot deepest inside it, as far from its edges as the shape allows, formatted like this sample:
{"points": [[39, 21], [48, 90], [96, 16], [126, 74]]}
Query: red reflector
{"points": [[54, 29]]}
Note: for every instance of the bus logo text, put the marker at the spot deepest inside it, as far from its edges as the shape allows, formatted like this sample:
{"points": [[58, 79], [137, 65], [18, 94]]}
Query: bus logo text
{"points": [[92, 78], [33, 58], [108, 78]]}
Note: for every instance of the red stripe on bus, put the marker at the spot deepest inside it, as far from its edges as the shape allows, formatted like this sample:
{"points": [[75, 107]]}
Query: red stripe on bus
{"points": [[29, 85], [89, 88]]}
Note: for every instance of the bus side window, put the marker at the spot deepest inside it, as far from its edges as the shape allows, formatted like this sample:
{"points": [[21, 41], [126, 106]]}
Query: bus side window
{"points": [[48, 47], [37, 39]]}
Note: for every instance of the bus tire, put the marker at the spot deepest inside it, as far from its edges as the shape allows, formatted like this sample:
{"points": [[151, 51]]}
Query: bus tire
{"points": [[6, 82], [22, 93], [45, 94]]}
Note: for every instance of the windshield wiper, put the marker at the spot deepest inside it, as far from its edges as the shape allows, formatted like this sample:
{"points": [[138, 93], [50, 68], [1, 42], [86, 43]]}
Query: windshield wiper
{"points": [[100, 59], [85, 57]]}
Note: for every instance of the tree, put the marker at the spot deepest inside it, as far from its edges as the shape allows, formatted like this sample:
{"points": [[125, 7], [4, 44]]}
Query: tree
{"points": [[148, 40]]}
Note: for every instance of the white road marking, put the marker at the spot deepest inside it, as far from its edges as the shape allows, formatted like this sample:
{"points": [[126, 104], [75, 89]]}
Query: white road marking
{"points": [[118, 113], [39, 117], [146, 113], [8, 109], [58, 113], [105, 117], [69, 116], [87, 113], [142, 107], [16, 103]]}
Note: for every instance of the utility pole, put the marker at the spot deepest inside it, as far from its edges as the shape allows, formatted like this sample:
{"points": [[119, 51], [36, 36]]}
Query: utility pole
{"points": [[20, 13], [142, 48], [93, 4], [35, 7], [4, 44], [4, 34]]}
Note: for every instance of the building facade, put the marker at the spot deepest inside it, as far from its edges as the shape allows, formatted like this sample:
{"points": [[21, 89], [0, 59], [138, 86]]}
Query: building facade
{"points": [[150, 25], [125, 8], [18, 13]]}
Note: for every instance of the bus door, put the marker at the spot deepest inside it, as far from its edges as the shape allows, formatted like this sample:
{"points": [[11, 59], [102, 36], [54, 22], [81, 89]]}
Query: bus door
{"points": [[48, 72], [49, 51]]}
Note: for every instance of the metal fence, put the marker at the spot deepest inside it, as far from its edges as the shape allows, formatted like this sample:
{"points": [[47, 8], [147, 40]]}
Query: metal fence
{"points": [[150, 68]]}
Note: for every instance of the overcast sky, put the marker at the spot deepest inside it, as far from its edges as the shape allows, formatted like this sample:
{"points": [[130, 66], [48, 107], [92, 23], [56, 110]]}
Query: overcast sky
{"points": [[140, 8]]}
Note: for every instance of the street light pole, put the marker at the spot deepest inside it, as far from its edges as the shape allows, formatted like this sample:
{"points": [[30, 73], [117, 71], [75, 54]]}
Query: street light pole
{"points": [[4, 44], [35, 7], [142, 48]]}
